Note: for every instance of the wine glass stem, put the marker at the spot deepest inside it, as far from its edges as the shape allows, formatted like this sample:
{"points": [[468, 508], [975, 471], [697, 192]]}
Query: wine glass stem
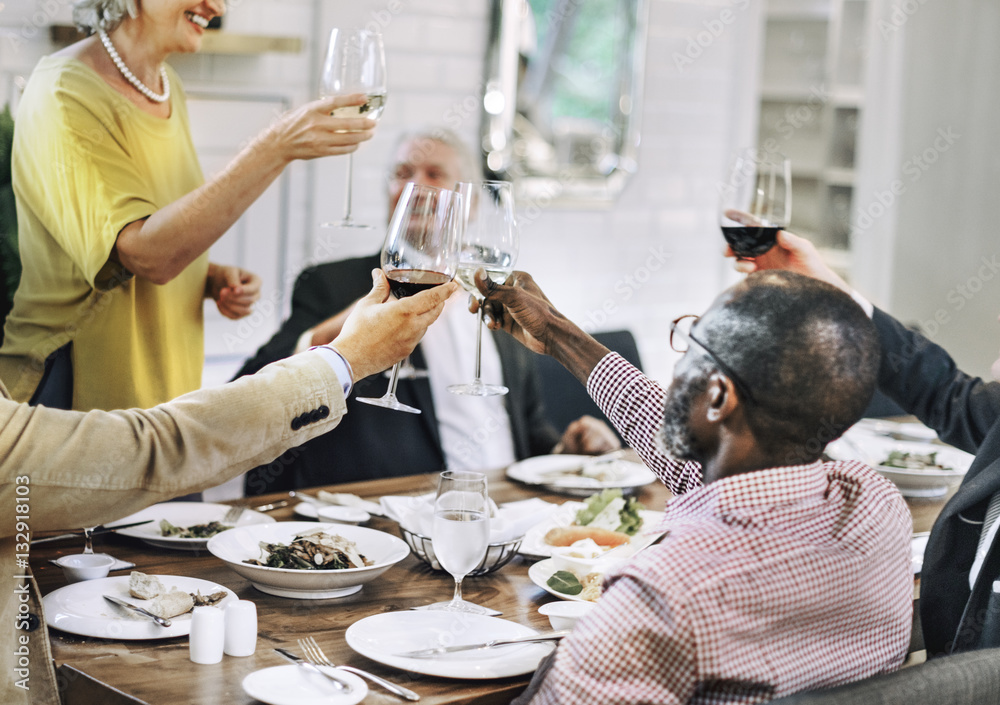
{"points": [[350, 187], [479, 345], [457, 597], [88, 546], [392, 381]]}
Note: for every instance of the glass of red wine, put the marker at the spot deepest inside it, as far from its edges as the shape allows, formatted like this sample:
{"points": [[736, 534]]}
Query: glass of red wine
{"points": [[421, 250], [756, 201]]}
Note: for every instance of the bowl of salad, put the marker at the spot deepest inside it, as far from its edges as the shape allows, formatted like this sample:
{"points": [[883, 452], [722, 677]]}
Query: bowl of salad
{"points": [[924, 469], [306, 560]]}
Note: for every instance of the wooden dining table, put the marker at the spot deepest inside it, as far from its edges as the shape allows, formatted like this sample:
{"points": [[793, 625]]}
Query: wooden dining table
{"points": [[158, 672]]}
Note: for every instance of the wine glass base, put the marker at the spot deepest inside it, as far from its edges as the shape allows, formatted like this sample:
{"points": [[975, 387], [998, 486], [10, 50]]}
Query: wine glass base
{"points": [[389, 402], [478, 389], [460, 606]]}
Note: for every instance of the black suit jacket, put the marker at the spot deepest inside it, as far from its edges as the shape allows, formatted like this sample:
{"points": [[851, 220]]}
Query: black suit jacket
{"points": [[370, 441], [965, 411]]}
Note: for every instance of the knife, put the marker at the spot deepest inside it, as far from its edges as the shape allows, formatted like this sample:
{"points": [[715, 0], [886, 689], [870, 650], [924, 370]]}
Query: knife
{"points": [[299, 661], [99, 530], [427, 653], [121, 603]]}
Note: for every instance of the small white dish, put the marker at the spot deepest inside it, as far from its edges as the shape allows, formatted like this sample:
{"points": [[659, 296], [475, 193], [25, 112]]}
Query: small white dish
{"points": [[580, 558], [291, 685], [85, 566], [565, 615], [342, 515]]}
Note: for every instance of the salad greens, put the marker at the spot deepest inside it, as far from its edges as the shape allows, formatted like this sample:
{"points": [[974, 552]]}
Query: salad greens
{"points": [[198, 531], [608, 509], [565, 582]]}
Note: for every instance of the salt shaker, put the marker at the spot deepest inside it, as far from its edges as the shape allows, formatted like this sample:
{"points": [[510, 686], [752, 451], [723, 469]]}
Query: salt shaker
{"points": [[207, 635], [241, 628]]}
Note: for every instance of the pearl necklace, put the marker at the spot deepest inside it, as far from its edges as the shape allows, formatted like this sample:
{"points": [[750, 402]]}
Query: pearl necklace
{"points": [[131, 77]]}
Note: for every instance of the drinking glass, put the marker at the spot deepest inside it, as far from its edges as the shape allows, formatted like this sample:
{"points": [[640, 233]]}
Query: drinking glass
{"points": [[355, 63], [420, 251], [490, 241], [756, 201], [460, 534]]}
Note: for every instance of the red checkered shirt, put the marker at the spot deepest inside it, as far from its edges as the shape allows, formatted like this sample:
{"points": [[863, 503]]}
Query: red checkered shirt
{"points": [[768, 582]]}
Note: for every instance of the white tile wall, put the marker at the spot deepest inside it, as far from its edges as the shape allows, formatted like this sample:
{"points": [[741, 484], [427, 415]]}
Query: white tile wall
{"points": [[653, 256]]}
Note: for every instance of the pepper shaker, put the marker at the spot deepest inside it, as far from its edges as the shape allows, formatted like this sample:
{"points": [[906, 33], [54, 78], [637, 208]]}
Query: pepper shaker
{"points": [[241, 628], [207, 635]]}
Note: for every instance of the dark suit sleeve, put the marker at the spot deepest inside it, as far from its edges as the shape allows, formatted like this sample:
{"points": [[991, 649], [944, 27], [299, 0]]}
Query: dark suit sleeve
{"points": [[530, 427], [923, 379]]}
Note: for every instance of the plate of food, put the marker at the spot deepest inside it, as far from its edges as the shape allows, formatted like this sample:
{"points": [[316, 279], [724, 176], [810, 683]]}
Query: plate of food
{"points": [[607, 518], [80, 608], [185, 525], [917, 469], [578, 585], [383, 637], [308, 560], [581, 475]]}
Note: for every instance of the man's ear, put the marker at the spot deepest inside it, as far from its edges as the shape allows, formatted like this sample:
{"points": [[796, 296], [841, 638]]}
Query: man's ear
{"points": [[720, 397]]}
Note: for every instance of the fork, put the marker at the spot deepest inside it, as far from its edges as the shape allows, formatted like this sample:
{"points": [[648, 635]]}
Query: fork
{"points": [[233, 515], [315, 654]]}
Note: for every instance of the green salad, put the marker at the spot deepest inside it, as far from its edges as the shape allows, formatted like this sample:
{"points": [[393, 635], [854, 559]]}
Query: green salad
{"points": [[609, 509]]}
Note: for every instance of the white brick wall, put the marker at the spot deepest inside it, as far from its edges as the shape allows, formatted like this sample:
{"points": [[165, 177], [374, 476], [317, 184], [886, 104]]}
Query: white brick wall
{"points": [[653, 256]]}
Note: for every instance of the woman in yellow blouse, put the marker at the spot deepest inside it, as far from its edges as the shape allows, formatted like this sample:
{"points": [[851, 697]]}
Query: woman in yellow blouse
{"points": [[114, 215]]}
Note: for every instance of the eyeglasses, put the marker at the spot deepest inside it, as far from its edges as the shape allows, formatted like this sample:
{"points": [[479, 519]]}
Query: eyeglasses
{"points": [[681, 338]]}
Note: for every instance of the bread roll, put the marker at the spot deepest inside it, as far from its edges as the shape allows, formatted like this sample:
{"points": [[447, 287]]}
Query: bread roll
{"points": [[568, 535], [143, 586], [172, 604]]}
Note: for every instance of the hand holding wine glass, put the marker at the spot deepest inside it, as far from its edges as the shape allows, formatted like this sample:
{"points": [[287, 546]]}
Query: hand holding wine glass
{"points": [[490, 242], [756, 202], [420, 251], [461, 531], [355, 63]]}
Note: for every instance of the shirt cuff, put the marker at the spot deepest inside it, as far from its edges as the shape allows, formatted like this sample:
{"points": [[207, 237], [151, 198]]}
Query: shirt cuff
{"points": [[864, 303], [340, 366], [304, 342]]}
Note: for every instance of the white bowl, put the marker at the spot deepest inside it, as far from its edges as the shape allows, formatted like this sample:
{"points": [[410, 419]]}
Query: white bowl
{"points": [[342, 515], [85, 566], [242, 543], [580, 558], [563, 614]]}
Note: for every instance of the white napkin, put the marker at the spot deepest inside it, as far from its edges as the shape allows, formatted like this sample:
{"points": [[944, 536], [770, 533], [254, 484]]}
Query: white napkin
{"points": [[508, 522]]}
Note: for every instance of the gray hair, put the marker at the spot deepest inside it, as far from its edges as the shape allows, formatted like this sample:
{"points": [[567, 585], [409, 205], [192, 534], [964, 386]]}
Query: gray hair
{"points": [[92, 15], [470, 170]]}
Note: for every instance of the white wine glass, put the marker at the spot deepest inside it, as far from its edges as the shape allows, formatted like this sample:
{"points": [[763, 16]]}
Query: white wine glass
{"points": [[355, 63], [755, 201], [489, 241], [460, 533], [420, 251]]}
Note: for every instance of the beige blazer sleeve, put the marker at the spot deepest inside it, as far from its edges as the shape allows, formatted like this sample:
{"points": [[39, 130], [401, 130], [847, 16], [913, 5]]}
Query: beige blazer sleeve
{"points": [[67, 469]]}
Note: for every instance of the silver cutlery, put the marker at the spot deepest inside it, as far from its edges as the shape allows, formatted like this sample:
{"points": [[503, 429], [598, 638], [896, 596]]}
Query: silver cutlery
{"points": [[315, 654], [233, 514], [302, 663], [139, 610], [93, 532], [438, 650]]}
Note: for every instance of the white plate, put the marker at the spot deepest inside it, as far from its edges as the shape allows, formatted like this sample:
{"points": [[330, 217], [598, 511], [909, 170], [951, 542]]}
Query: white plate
{"points": [[534, 546], [307, 510], [382, 636], [910, 431], [183, 515], [80, 608], [237, 545], [541, 571], [534, 471], [292, 685], [918, 544], [861, 444]]}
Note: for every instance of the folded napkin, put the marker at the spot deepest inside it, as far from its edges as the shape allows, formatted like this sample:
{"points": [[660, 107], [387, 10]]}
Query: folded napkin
{"points": [[507, 522]]}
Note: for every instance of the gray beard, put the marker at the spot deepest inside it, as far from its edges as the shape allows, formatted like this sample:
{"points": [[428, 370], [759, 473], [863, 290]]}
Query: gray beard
{"points": [[676, 436]]}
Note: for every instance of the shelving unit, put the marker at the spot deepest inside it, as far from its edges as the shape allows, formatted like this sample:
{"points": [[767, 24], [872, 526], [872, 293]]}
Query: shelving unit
{"points": [[810, 101]]}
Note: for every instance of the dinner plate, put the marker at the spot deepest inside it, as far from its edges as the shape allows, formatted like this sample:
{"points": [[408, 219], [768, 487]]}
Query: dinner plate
{"points": [[183, 515], [80, 608], [382, 637], [541, 571], [292, 685], [543, 470], [533, 545]]}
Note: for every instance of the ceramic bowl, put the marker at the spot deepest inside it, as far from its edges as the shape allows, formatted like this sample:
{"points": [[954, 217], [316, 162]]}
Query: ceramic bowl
{"points": [[85, 566], [563, 614]]}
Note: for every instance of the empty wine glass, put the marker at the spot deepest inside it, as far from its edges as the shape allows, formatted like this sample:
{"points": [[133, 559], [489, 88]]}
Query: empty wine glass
{"points": [[420, 251], [490, 241], [460, 533], [756, 202], [355, 63]]}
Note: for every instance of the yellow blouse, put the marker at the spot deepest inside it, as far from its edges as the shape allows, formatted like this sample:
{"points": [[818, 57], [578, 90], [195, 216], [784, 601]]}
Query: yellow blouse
{"points": [[86, 163]]}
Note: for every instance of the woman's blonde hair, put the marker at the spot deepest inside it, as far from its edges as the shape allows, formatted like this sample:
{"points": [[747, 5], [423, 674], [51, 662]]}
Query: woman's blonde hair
{"points": [[92, 15]]}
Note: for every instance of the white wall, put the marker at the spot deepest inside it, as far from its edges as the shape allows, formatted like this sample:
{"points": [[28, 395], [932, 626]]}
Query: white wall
{"points": [[652, 257]]}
